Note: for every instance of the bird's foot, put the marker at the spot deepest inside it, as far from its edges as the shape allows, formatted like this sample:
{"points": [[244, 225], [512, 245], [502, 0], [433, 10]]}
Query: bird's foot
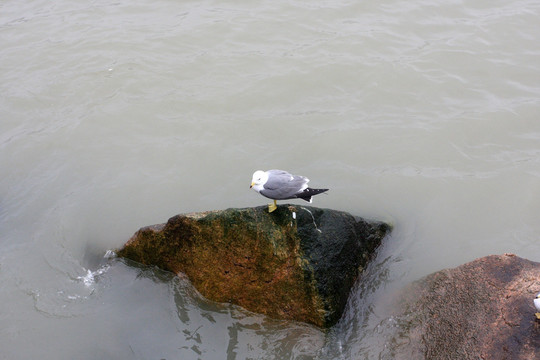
{"points": [[272, 206]]}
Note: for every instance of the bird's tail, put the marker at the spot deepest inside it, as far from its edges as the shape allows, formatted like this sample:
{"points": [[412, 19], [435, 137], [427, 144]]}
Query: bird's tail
{"points": [[309, 192]]}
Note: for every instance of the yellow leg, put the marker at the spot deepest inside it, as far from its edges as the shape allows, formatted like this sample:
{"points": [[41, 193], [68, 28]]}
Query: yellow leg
{"points": [[272, 207]]}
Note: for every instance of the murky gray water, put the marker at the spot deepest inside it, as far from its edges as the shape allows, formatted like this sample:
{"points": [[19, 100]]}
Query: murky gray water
{"points": [[116, 115]]}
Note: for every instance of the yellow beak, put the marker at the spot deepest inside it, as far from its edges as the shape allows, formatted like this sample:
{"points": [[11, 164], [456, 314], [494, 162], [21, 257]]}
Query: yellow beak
{"points": [[250, 186]]}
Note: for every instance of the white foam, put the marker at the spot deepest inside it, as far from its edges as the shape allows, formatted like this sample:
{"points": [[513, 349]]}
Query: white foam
{"points": [[109, 254], [90, 278]]}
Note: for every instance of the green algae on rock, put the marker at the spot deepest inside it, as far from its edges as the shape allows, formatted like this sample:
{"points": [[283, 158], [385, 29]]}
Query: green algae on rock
{"points": [[296, 263]]}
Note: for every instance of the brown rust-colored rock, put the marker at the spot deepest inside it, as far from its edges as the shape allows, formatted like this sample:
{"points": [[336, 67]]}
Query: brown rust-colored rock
{"points": [[296, 263], [479, 310]]}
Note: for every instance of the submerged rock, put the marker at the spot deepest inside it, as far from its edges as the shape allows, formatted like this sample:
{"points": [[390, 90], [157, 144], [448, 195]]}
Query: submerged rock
{"points": [[479, 310], [296, 263]]}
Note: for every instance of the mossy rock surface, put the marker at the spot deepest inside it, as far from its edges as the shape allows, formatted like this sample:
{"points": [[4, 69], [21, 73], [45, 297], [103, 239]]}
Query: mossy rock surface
{"points": [[296, 263]]}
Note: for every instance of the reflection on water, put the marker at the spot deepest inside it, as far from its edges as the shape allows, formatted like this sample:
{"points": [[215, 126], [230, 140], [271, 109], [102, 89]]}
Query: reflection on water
{"points": [[119, 115], [204, 328]]}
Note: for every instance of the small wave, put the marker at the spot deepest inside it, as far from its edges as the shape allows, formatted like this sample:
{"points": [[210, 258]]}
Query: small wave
{"points": [[90, 278], [109, 254]]}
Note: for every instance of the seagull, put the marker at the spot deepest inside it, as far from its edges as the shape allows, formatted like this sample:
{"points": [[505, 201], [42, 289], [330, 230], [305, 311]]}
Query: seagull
{"points": [[280, 185]]}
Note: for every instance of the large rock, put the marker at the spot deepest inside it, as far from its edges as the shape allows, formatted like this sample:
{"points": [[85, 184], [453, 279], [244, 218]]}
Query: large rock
{"points": [[297, 262], [479, 310]]}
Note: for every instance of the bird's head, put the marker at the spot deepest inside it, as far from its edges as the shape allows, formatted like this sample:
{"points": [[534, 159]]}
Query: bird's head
{"points": [[258, 180]]}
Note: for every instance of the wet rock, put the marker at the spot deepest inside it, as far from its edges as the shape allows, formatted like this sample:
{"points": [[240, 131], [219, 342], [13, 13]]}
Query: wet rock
{"points": [[479, 310], [296, 263]]}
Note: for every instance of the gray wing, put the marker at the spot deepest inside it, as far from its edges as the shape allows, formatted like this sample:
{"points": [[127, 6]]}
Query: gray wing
{"points": [[282, 185]]}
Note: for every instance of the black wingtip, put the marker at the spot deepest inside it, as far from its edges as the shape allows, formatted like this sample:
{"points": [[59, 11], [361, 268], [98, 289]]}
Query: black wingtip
{"points": [[309, 192], [312, 192]]}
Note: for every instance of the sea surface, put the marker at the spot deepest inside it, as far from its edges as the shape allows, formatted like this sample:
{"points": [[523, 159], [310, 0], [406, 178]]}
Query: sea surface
{"points": [[120, 114]]}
